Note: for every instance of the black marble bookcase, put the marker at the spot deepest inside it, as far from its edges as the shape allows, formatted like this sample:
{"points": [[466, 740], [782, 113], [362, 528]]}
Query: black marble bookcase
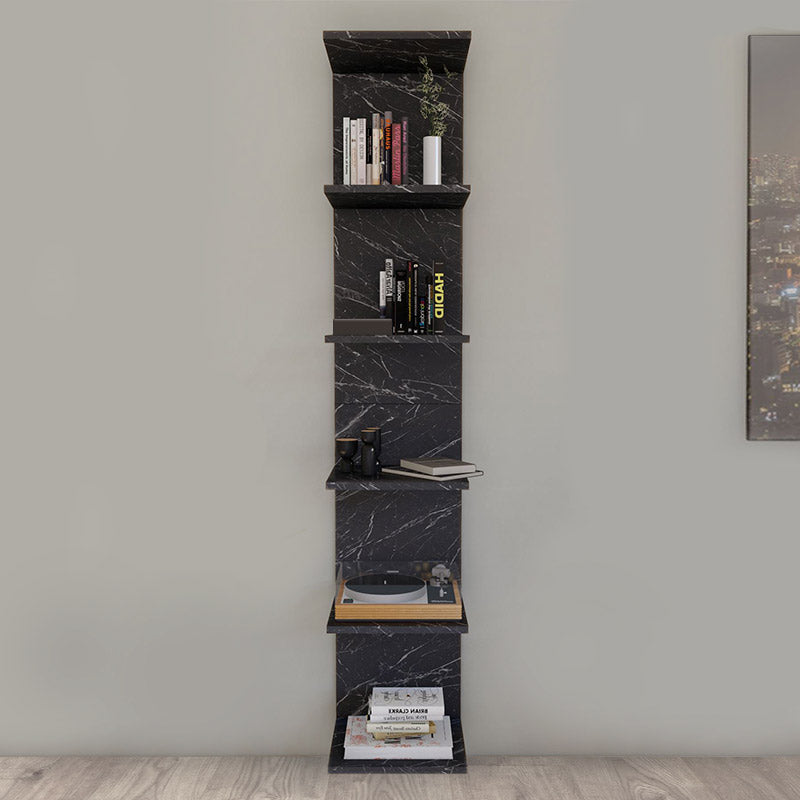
{"points": [[409, 386]]}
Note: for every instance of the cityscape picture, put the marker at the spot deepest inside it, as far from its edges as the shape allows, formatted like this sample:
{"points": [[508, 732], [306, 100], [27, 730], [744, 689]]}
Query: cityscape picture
{"points": [[773, 316]]}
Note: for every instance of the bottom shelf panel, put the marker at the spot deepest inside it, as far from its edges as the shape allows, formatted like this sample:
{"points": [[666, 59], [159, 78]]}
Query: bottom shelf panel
{"points": [[337, 763]]}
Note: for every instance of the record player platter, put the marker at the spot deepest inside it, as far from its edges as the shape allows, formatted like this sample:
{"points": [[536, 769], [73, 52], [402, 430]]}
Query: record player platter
{"points": [[386, 587]]}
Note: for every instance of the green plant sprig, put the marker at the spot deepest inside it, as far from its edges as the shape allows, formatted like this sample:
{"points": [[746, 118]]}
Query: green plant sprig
{"points": [[433, 109]]}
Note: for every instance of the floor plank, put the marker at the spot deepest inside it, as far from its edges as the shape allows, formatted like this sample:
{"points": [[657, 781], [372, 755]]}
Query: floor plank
{"points": [[489, 778]]}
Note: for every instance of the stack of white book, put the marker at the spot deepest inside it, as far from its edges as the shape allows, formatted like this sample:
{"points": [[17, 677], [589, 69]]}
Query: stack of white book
{"points": [[434, 469], [403, 723]]}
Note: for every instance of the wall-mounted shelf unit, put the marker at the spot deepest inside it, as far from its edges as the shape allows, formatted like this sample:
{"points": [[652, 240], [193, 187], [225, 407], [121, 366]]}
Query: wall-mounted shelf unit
{"points": [[409, 386]]}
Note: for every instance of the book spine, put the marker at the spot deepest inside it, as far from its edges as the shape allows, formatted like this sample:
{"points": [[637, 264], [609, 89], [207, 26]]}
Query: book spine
{"points": [[368, 150], [404, 173], [438, 297], [346, 151], [422, 315], [376, 149], [413, 295], [429, 304], [382, 293], [388, 268], [401, 301], [387, 147], [353, 152], [397, 154], [362, 151], [399, 727]]}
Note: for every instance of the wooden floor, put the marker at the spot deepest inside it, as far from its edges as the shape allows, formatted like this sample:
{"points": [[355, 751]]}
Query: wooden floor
{"points": [[506, 778]]}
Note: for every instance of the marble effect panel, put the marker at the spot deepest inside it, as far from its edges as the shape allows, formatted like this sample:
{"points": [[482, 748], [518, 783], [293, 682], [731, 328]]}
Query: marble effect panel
{"points": [[403, 660], [407, 431], [375, 93], [398, 374], [364, 238], [396, 51], [398, 526]]}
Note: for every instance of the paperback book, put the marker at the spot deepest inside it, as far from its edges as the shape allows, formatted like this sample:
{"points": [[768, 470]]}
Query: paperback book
{"points": [[360, 744]]}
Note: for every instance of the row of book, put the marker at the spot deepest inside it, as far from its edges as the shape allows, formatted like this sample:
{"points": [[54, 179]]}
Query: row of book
{"points": [[403, 723], [413, 297], [374, 150]]}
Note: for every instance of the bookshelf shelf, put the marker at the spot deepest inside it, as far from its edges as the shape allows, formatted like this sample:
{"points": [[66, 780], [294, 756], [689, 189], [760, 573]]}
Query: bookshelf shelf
{"points": [[395, 51], [391, 483], [408, 196], [410, 386], [445, 338], [395, 627], [337, 763]]}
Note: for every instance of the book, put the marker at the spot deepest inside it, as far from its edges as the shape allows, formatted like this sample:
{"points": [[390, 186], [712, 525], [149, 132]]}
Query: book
{"points": [[413, 293], [376, 148], [368, 150], [382, 293], [422, 313], [437, 466], [401, 718], [404, 168], [426, 726], [353, 151], [401, 301], [388, 268], [387, 147], [428, 700], [438, 297], [397, 154], [358, 744], [429, 309], [346, 151], [362, 151], [407, 473]]}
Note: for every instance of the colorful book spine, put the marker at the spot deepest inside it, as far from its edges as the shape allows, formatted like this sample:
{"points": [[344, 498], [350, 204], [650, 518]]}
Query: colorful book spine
{"points": [[438, 297], [387, 147], [368, 150], [388, 268], [422, 314], [413, 293], [429, 307], [362, 151], [401, 301], [404, 171], [397, 154], [346, 151], [376, 149]]}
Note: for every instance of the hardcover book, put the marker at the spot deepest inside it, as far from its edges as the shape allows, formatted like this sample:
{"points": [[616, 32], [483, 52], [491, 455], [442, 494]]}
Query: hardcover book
{"points": [[437, 466], [397, 154], [346, 151], [387, 147], [359, 744], [362, 151], [438, 297], [407, 473], [428, 700]]}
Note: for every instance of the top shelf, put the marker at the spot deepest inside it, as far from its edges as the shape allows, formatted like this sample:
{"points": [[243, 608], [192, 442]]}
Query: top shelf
{"points": [[410, 195], [396, 51]]}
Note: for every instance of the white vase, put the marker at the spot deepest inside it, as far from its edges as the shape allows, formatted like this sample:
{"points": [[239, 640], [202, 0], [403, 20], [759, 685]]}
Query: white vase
{"points": [[432, 160]]}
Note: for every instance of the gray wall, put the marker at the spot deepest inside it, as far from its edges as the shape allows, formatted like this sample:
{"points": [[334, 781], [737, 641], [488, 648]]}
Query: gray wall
{"points": [[631, 562]]}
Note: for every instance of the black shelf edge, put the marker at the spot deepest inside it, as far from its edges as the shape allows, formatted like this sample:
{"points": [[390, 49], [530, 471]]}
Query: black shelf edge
{"points": [[396, 51], [411, 195], [444, 338], [386, 482], [398, 627], [337, 763]]}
